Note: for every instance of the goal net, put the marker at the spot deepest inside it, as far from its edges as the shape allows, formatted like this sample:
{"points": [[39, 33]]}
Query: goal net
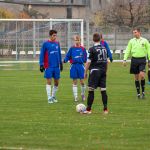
{"points": [[21, 39]]}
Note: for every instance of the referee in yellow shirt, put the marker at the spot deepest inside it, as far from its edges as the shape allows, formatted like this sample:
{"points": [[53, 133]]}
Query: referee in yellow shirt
{"points": [[138, 48]]}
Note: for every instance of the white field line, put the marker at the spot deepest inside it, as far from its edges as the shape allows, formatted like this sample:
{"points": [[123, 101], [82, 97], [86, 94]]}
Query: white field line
{"points": [[17, 69], [35, 61], [11, 62], [18, 148], [11, 148], [5, 65]]}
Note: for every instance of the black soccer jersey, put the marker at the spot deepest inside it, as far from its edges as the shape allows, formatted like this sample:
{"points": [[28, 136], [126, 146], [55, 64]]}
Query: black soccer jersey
{"points": [[97, 56]]}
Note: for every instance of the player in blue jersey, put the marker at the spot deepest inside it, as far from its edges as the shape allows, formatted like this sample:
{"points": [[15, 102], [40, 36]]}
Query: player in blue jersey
{"points": [[97, 66], [51, 64], [106, 45], [77, 56]]}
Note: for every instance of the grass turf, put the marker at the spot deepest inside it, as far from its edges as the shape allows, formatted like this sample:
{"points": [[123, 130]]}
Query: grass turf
{"points": [[28, 122]]}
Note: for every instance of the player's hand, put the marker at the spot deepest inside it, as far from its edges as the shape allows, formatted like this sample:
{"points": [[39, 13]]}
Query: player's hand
{"points": [[124, 63], [61, 67], [42, 68], [108, 61]]}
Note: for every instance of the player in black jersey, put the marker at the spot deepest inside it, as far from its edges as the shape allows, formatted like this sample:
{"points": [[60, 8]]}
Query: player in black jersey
{"points": [[97, 66]]}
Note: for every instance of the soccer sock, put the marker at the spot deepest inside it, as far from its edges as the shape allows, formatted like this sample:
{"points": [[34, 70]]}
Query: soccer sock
{"points": [[55, 88], [83, 87], [75, 90], [137, 85], [143, 85], [104, 99], [48, 90], [148, 74], [90, 100]]}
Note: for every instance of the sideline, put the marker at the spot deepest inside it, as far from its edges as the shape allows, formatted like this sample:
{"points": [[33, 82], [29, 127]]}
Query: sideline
{"points": [[36, 61]]}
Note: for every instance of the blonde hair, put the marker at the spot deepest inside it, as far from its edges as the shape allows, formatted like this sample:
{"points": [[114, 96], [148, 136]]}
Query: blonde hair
{"points": [[77, 37]]}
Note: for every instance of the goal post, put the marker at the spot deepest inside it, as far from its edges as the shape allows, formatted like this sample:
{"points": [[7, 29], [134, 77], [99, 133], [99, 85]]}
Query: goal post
{"points": [[23, 38]]}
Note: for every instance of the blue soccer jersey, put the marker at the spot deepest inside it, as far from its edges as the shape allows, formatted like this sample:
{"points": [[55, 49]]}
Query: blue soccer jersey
{"points": [[105, 44], [50, 55], [77, 57], [50, 58]]}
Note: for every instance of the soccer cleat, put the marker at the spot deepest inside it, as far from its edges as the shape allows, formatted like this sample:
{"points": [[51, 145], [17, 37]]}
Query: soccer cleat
{"points": [[148, 82], [83, 97], [86, 112], [76, 99], [105, 111], [50, 100], [138, 96], [143, 96], [54, 100]]}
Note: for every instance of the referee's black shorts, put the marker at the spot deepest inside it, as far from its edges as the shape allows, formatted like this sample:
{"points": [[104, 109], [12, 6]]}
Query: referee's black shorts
{"points": [[137, 65], [97, 78]]}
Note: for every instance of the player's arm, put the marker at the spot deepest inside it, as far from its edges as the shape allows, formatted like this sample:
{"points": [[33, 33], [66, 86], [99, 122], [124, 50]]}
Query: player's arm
{"points": [[87, 65], [84, 55], [60, 61], [68, 55], [127, 52], [147, 45], [41, 58], [108, 51]]}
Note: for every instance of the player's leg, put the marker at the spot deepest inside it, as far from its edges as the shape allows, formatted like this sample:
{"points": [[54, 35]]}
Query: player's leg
{"points": [[137, 85], [56, 76], [83, 88], [104, 100], [75, 89], [48, 90], [92, 85], [142, 76], [102, 85], [54, 90], [134, 69], [74, 77], [90, 100], [48, 76], [81, 70]]}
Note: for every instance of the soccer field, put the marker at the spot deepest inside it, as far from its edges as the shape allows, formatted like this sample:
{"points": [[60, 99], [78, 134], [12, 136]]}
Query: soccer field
{"points": [[28, 122]]}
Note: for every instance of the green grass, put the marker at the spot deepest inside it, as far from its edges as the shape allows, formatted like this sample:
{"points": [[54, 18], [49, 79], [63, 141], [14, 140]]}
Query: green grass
{"points": [[28, 122]]}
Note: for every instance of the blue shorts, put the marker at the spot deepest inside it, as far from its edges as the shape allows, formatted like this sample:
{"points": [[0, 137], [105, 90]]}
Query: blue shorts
{"points": [[77, 71], [52, 73]]}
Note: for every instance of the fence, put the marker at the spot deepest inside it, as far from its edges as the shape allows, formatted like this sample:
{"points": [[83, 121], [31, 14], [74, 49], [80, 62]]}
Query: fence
{"points": [[117, 37], [22, 38]]}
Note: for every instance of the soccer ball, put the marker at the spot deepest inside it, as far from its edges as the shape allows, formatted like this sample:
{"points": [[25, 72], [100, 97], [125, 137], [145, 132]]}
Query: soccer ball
{"points": [[80, 107]]}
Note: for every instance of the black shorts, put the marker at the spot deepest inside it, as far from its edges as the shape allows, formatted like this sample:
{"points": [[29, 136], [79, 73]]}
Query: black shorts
{"points": [[137, 65], [97, 78]]}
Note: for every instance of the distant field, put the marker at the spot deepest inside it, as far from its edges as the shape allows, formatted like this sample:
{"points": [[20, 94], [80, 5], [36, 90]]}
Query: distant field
{"points": [[28, 122]]}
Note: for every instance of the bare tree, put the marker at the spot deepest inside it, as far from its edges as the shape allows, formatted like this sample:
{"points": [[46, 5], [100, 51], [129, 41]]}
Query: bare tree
{"points": [[127, 13]]}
